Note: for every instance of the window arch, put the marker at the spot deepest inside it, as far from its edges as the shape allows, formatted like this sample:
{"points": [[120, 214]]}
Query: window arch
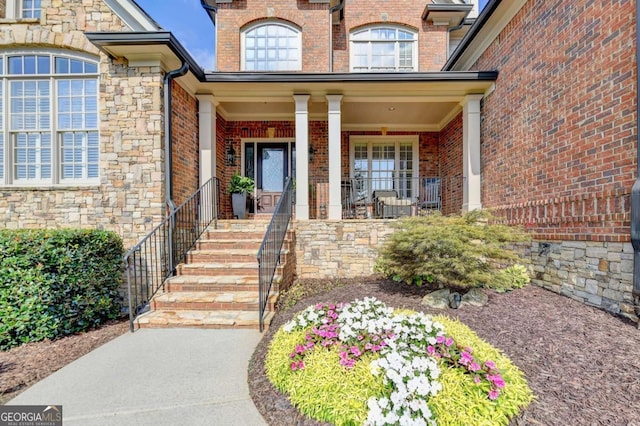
{"points": [[48, 119], [384, 48], [271, 46]]}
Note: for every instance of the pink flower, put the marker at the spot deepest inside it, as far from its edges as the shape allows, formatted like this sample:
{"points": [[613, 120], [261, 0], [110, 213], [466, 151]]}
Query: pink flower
{"points": [[465, 358], [476, 379], [360, 337], [368, 346], [490, 365], [494, 394], [376, 348], [294, 366], [319, 306], [497, 380], [431, 350], [355, 351], [440, 339], [449, 341], [474, 366]]}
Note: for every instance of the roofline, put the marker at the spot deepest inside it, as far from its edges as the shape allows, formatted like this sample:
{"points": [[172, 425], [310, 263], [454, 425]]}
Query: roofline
{"points": [[133, 15], [251, 77], [480, 22], [443, 7], [105, 39]]}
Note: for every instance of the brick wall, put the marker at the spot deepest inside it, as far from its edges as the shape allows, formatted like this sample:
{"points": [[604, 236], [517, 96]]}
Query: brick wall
{"points": [[558, 136], [432, 40], [313, 19], [130, 197], [450, 160], [186, 156], [559, 143]]}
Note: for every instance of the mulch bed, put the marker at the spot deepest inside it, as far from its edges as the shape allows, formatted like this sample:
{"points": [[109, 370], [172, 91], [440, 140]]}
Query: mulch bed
{"points": [[25, 365], [582, 363]]}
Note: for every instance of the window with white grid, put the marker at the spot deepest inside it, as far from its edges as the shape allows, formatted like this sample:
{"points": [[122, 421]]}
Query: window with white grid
{"points": [[272, 46], [30, 8], [51, 115], [384, 49], [384, 164]]}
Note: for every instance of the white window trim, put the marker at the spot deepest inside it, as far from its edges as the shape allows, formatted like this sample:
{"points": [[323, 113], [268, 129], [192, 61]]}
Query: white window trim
{"points": [[13, 11], [414, 140], [243, 61], [56, 181], [415, 50]]}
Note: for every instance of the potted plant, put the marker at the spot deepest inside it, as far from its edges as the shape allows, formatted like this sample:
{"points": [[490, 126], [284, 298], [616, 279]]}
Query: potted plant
{"points": [[239, 187]]}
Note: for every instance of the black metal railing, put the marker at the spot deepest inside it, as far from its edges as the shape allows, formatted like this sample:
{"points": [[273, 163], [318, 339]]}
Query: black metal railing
{"points": [[155, 258], [271, 247], [388, 197]]}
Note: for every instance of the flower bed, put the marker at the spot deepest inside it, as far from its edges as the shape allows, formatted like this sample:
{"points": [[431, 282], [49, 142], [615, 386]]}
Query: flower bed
{"points": [[364, 363]]}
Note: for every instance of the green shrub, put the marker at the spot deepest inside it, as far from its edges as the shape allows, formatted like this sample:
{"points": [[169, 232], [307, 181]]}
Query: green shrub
{"points": [[458, 252], [57, 282]]}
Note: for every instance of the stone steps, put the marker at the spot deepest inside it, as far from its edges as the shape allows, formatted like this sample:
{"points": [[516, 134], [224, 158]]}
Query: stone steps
{"points": [[217, 286]]}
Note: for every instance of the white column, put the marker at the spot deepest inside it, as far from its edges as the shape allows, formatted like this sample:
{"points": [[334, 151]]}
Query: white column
{"points": [[302, 156], [207, 136], [471, 198], [335, 158]]}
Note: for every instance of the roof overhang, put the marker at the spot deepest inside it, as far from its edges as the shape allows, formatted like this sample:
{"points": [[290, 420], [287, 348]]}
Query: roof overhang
{"points": [[491, 21], [452, 15], [424, 101]]}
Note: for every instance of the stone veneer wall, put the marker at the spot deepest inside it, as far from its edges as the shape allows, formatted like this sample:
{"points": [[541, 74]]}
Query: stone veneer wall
{"points": [[130, 197], [339, 249], [595, 273]]}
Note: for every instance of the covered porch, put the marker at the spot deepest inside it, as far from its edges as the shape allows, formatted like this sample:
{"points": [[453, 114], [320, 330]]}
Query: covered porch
{"points": [[358, 146]]}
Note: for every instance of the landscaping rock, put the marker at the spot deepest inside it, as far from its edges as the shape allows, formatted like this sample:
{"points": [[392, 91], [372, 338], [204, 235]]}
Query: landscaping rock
{"points": [[474, 297], [438, 299]]}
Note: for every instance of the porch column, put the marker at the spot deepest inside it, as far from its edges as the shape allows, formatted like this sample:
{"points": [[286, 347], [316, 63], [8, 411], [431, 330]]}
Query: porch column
{"points": [[471, 197], [335, 158], [302, 156], [207, 136]]}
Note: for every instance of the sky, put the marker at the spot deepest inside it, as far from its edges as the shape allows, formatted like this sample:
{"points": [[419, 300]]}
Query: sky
{"points": [[189, 22], [191, 25]]}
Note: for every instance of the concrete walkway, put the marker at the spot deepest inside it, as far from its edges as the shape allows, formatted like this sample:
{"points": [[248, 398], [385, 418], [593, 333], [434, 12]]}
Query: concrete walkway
{"points": [[156, 377]]}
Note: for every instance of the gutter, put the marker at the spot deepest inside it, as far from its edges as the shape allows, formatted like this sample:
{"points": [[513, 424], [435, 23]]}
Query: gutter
{"points": [[168, 127], [332, 10], [480, 22], [635, 190]]}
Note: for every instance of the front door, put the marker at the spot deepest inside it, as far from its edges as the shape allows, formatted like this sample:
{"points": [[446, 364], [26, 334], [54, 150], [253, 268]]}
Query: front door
{"points": [[272, 167]]}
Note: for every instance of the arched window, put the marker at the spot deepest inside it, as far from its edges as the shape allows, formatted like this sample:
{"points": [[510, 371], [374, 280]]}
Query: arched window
{"points": [[48, 119], [271, 46], [384, 49]]}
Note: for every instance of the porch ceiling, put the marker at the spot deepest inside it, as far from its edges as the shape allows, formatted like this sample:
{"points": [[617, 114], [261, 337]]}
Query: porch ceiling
{"points": [[418, 106]]}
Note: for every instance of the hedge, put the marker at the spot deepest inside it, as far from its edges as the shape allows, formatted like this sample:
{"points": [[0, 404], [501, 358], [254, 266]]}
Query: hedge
{"points": [[55, 283]]}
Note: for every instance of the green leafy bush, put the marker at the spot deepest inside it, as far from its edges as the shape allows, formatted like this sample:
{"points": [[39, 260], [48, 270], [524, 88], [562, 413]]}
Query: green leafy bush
{"points": [[458, 252], [325, 362], [57, 282]]}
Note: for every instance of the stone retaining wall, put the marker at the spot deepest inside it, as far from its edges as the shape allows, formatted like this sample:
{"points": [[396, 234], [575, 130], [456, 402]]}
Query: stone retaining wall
{"points": [[340, 249], [595, 273]]}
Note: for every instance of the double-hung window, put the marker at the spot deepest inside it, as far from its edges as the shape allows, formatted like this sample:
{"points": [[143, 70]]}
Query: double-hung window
{"points": [[384, 49], [385, 164], [48, 119], [271, 46]]}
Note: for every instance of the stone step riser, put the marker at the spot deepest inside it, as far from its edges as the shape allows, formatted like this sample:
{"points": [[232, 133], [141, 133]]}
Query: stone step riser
{"points": [[210, 306], [228, 245], [220, 258], [231, 235], [216, 272], [255, 326], [170, 288]]}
